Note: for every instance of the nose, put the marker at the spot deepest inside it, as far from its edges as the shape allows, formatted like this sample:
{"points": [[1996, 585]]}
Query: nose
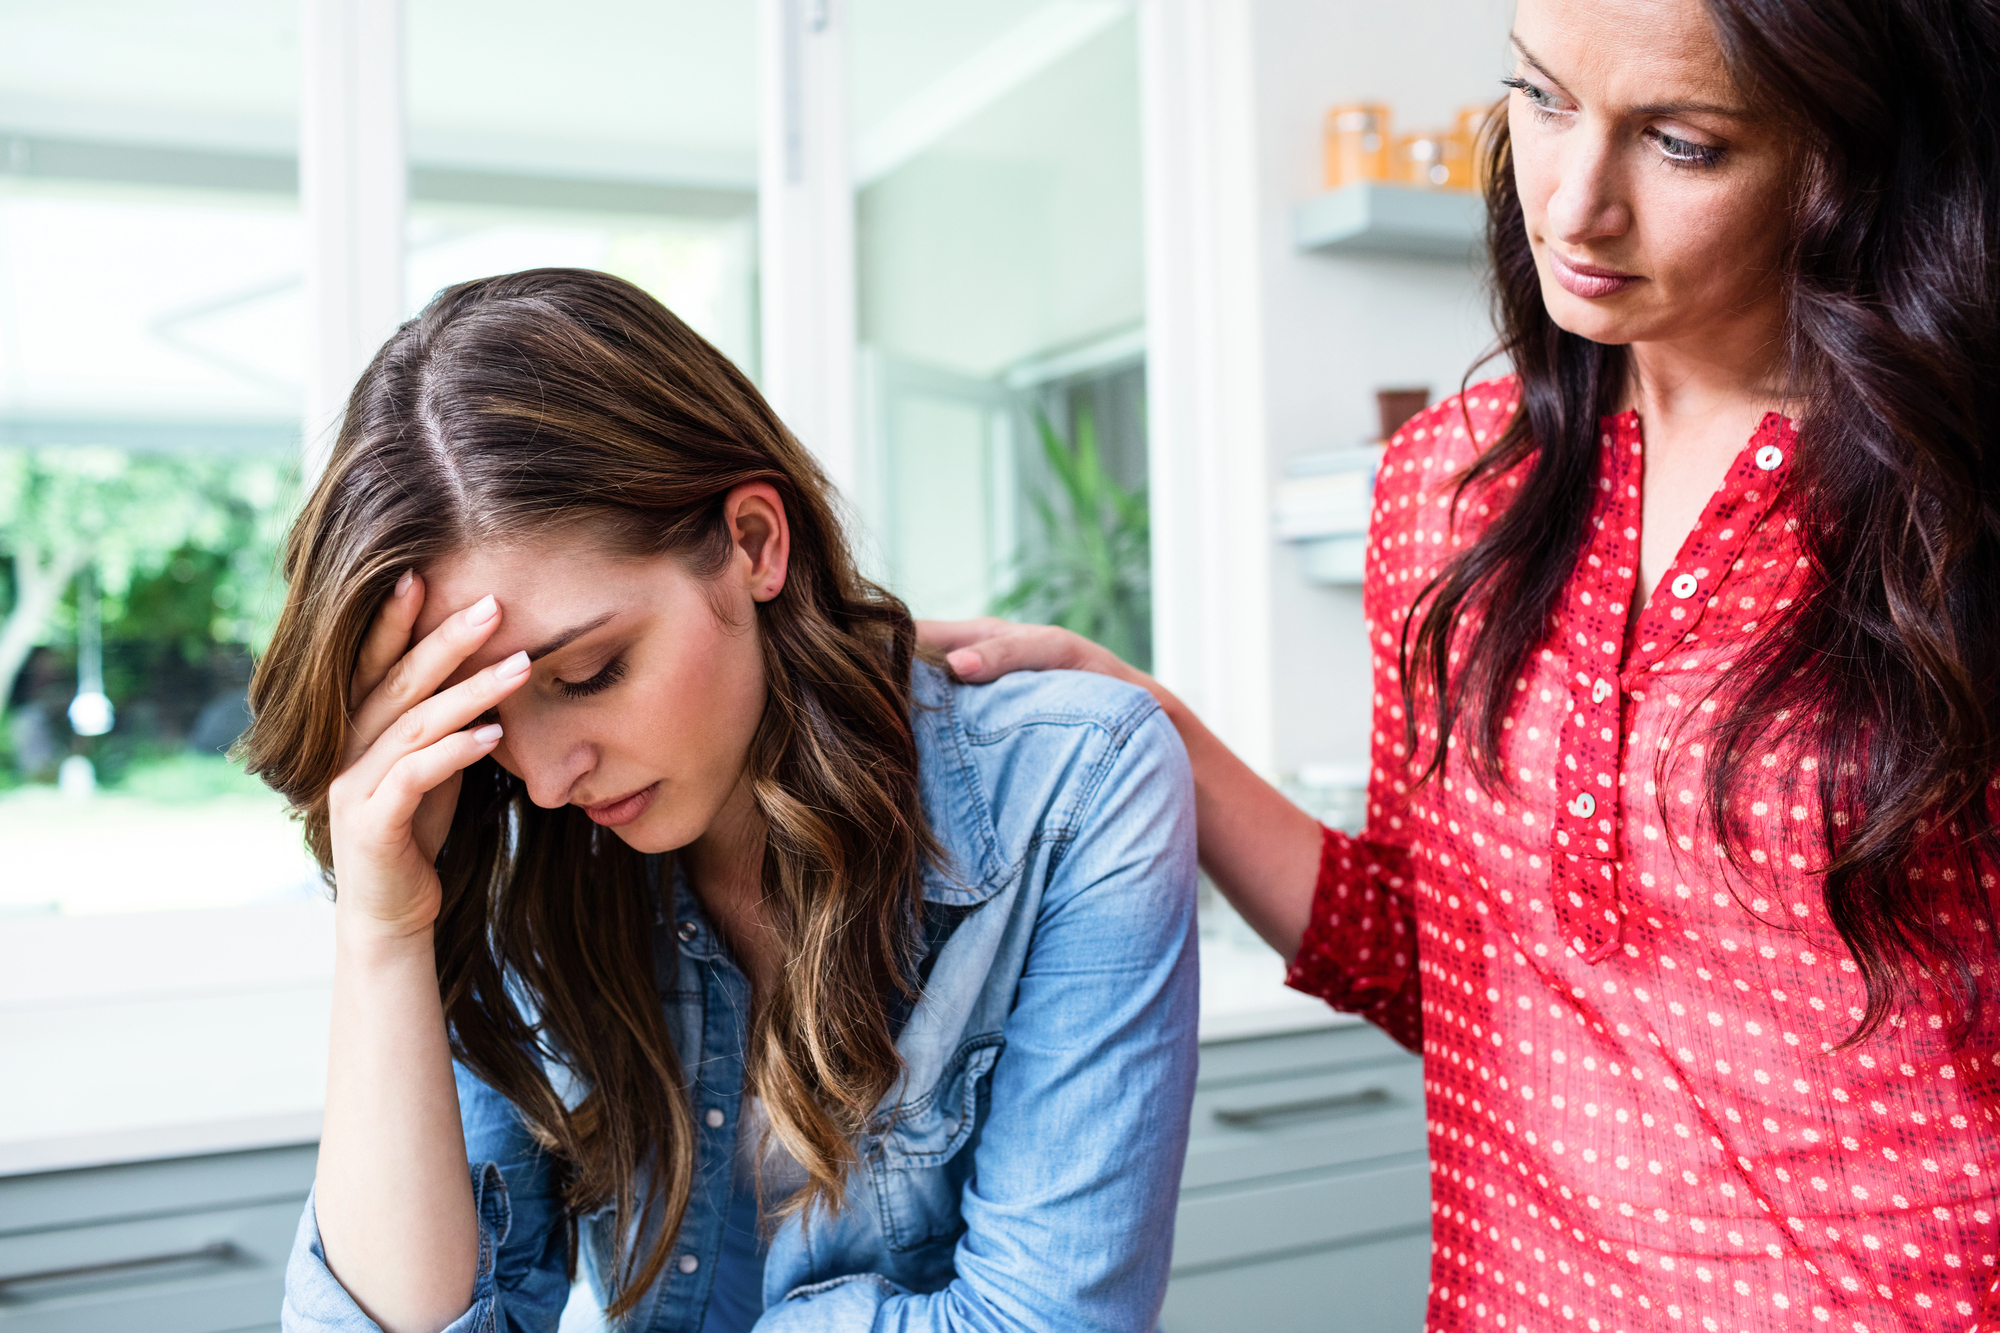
{"points": [[550, 763], [1589, 202]]}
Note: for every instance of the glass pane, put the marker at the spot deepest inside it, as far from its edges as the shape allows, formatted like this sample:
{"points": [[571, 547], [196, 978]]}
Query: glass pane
{"points": [[1001, 293], [605, 134], [151, 351]]}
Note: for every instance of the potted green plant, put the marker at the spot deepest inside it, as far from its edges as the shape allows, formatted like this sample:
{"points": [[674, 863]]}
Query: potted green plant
{"points": [[1091, 571]]}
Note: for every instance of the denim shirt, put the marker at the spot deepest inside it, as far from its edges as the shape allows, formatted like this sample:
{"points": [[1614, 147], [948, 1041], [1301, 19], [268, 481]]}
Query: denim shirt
{"points": [[1023, 1171]]}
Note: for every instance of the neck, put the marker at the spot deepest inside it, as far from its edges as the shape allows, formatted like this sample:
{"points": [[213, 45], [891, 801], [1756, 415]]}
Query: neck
{"points": [[725, 868], [1699, 399], [1728, 369]]}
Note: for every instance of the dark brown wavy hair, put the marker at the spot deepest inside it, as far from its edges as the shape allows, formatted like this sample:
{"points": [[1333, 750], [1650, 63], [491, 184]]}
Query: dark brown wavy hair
{"points": [[1888, 670], [559, 400]]}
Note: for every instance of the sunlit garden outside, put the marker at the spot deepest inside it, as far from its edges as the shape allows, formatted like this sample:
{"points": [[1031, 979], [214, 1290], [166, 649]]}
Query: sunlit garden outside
{"points": [[142, 581]]}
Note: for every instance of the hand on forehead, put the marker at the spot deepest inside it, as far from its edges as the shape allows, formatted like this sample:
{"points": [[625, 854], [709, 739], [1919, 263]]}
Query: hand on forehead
{"points": [[550, 593]]}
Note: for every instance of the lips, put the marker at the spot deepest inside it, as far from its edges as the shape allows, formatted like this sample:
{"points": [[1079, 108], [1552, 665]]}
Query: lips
{"points": [[623, 810], [1588, 280]]}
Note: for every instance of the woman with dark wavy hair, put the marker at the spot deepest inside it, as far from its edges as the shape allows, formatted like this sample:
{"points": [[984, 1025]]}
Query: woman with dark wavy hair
{"points": [[794, 983], [1681, 850]]}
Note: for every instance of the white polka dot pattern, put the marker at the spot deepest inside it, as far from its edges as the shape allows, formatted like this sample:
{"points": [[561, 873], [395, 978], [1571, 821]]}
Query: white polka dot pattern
{"points": [[1641, 1115]]}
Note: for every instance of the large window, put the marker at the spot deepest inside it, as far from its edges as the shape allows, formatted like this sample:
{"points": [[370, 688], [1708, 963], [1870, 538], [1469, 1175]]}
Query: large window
{"points": [[151, 340], [153, 349]]}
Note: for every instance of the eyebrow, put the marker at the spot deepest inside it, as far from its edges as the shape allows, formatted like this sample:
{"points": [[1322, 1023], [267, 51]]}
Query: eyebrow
{"points": [[569, 636], [1650, 109]]}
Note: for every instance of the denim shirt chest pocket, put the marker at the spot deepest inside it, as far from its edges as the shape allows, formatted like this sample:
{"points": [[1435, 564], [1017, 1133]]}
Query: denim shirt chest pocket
{"points": [[920, 1159]]}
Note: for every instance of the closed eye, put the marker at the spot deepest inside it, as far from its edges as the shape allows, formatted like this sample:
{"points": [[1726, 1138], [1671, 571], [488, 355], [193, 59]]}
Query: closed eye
{"points": [[1685, 152], [613, 672], [1538, 97]]}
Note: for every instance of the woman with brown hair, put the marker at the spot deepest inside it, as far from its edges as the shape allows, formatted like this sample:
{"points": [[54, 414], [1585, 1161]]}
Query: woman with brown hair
{"points": [[794, 983], [1681, 850]]}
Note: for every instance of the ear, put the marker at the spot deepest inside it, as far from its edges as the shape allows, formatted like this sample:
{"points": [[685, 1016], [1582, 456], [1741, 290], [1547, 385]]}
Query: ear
{"points": [[755, 514]]}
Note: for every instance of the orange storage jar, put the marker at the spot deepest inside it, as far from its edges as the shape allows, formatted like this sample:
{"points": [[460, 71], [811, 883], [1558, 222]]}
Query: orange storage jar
{"points": [[1357, 144]]}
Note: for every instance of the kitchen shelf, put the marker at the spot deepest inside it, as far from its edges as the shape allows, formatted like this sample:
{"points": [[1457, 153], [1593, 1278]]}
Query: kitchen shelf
{"points": [[1367, 218], [1323, 507]]}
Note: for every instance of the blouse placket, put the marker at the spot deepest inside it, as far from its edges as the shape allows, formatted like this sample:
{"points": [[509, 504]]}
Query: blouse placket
{"points": [[1588, 847]]}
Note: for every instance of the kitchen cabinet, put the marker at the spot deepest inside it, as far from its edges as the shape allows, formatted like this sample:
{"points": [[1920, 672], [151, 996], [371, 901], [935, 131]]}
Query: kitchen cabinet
{"points": [[182, 1245], [1305, 1203]]}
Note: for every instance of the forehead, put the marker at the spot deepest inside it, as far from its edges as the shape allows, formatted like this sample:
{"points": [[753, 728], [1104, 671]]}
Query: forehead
{"points": [[1648, 50], [543, 586]]}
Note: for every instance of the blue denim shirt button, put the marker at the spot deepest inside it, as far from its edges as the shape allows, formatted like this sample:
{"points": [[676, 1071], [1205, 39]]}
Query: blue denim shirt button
{"points": [[715, 1117], [688, 930], [689, 1263]]}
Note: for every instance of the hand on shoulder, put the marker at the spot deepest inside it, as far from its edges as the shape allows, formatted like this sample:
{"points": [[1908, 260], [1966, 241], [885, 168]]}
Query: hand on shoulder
{"points": [[983, 650]]}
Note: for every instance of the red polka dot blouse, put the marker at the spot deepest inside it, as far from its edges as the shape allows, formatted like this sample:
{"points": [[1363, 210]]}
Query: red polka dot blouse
{"points": [[1640, 1114]]}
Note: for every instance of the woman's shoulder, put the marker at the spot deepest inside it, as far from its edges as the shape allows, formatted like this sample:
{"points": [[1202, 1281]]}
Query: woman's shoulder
{"points": [[1412, 529], [1437, 443], [1024, 701], [1022, 758]]}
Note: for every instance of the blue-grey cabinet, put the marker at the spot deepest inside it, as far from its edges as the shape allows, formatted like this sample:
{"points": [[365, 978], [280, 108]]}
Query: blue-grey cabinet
{"points": [[1305, 1204], [186, 1245]]}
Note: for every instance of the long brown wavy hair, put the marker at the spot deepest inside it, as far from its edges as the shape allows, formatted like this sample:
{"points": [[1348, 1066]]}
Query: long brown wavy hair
{"points": [[1889, 671], [558, 400]]}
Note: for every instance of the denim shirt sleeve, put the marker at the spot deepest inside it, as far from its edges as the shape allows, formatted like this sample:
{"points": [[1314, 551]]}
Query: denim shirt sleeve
{"points": [[520, 1286], [1069, 1212]]}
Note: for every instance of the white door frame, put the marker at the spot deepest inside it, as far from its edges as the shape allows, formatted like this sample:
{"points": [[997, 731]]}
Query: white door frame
{"points": [[1204, 375], [805, 228], [353, 195]]}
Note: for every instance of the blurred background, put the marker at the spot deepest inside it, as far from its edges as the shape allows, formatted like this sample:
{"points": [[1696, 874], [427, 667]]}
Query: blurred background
{"points": [[1096, 310]]}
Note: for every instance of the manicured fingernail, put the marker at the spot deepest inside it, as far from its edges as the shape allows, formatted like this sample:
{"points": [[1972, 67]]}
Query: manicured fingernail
{"points": [[965, 662], [483, 610], [517, 665], [487, 734], [403, 583]]}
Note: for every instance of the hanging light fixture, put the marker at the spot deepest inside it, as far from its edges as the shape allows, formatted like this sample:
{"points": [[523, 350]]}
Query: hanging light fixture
{"points": [[90, 713]]}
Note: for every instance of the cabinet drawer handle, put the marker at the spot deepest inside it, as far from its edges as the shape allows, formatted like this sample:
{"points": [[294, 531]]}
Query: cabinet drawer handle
{"points": [[1313, 1106], [220, 1251]]}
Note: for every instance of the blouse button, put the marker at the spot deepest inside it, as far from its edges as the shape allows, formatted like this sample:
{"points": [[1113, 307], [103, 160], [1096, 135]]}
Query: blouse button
{"points": [[715, 1117], [1600, 691], [689, 1263], [1684, 586], [1584, 806], [1770, 456], [688, 930]]}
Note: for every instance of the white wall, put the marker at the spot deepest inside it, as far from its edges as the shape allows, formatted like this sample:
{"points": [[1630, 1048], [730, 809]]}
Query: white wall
{"points": [[1337, 328], [1019, 232]]}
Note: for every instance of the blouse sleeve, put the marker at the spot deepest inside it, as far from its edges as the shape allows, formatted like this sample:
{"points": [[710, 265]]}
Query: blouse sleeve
{"points": [[1359, 953], [1360, 948]]}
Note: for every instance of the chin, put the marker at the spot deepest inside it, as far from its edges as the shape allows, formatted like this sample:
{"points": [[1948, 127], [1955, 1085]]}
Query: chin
{"points": [[1600, 322], [644, 837], [657, 830]]}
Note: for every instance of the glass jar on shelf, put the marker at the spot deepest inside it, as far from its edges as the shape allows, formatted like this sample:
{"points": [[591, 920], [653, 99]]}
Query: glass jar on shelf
{"points": [[1434, 160], [1358, 147]]}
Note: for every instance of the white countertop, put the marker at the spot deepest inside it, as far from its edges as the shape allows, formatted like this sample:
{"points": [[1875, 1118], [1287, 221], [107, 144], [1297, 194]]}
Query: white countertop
{"points": [[133, 1036], [138, 1035], [1243, 994]]}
